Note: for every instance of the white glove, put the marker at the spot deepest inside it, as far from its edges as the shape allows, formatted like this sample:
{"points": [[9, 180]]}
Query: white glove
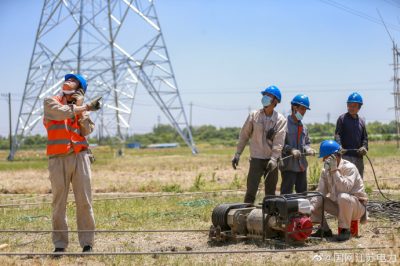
{"points": [[296, 153], [362, 151], [310, 152], [330, 164], [272, 164]]}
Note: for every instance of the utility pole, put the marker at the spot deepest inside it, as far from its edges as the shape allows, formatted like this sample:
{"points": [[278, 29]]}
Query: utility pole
{"points": [[8, 95], [328, 117], [396, 90], [396, 82], [9, 120]]}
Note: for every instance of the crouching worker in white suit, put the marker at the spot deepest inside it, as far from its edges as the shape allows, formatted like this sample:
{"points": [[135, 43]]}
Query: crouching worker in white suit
{"points": [[343, 190]]}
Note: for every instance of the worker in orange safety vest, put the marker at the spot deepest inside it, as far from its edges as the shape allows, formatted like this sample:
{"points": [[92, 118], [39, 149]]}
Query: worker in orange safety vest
{"points": [[67, 122]]}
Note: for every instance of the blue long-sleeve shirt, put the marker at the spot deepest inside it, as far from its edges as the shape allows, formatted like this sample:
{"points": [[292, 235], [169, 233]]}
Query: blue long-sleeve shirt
{"points": [[351, 133]]}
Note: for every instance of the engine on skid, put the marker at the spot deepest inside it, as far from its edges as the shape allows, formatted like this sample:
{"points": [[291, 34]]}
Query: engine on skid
{"points": [[278, 217]]}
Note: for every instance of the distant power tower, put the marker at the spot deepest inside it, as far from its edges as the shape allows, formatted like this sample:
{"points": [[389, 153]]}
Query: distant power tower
{"points": [[118, 46], [396, 88]]}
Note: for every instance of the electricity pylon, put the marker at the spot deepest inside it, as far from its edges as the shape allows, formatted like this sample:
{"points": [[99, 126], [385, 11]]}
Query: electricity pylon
{"points": [[118, 46]]}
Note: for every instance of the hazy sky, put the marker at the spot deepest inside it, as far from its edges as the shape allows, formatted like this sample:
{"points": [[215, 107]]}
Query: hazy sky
{"points": [[224, 52]]}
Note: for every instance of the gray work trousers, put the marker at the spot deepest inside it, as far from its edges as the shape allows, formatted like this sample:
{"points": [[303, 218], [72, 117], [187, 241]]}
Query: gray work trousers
{"points": [[75, 169], [358, 162], [292, 179], [256, 171]]}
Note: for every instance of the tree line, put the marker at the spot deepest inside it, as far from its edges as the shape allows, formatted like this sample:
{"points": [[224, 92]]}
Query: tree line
{"points": [[213, 135]]}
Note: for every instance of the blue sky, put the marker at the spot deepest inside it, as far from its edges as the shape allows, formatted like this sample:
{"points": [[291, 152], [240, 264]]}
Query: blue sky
{"points": [[225, 51]]}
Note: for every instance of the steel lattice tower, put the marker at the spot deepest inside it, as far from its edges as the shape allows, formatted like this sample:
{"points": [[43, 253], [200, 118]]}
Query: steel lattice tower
{"points": [[118, 46]]}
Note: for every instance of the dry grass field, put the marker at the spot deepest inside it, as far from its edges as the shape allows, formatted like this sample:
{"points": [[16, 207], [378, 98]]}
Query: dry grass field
{"points": [[173, 172]]}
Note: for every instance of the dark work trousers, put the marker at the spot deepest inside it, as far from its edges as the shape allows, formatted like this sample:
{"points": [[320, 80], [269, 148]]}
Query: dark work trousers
{"points": [[296, 179], [256, 171], [358, 162]]}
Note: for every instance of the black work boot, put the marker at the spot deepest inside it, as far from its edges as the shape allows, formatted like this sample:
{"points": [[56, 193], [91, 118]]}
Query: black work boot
{"points": [[87, 249], [320, 233], [344, 235], [56, 250]]}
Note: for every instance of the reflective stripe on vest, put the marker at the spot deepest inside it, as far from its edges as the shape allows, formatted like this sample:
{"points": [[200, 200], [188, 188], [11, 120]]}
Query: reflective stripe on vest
{"points": [[62, 126], [64, 136], [58, 141]]}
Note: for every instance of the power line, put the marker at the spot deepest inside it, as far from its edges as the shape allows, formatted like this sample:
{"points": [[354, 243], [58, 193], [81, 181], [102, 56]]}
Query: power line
{"points": [[393, 3], [358, 13], [247, 91], [219, 108]]}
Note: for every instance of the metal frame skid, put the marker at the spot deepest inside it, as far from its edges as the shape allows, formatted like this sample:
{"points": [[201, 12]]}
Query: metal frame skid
{"points": [[283, 217]]}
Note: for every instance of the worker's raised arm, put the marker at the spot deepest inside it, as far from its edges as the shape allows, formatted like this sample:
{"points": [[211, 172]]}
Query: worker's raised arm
{"points": [[54, 110]]}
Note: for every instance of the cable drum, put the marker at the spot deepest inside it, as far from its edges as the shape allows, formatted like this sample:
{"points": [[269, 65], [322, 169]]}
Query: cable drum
{"points": [[219, 215]]}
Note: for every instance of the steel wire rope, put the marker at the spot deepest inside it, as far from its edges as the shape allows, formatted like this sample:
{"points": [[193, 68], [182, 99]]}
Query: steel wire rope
{"points": [[130, 197], [106, 231], [390, 205], [280, 162], [390, 208], [201, 252], [373, 171], [28, 198]]}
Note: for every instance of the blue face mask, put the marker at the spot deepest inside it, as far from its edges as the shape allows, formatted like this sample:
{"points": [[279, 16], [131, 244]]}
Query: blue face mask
{"points": [[266, 100], [298, 116]]}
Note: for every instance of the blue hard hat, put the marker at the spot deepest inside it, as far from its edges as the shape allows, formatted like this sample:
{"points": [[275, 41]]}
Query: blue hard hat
{"points": [[78, 77], [274, 91], [355, 98], [328, 147], [301, 99]]}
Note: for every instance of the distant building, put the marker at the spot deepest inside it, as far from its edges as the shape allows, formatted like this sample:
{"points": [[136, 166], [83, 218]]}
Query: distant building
{"points": [[163, 145]]}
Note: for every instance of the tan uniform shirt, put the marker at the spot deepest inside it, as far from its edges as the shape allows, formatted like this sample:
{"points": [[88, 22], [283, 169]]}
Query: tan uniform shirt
{"points": [[53, 110], [346, 180], [255, 129]]}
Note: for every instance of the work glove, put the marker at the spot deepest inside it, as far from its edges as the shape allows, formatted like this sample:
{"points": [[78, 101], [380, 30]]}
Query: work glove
{"points": [[94, 105], [296, 153], [310, 152], [235, 160], [272, 164], [77, 97], [330, 164], [362, 151]]}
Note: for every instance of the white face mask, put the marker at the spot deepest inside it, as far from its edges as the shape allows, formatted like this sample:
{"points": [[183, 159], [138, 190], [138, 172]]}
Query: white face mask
{"points": [[266, 100], [68, 92], [298, 116]]}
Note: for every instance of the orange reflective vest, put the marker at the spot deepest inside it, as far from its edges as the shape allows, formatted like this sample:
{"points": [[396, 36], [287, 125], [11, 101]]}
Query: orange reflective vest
{"points": [[64, 136]]}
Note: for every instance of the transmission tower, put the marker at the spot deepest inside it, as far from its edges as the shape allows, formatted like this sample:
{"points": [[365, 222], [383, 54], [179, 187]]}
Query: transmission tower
{"points": [[396, 89], [118, 46]]}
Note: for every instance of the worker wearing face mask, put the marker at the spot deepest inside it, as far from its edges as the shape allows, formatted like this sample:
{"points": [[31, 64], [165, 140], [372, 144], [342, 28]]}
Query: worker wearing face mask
{"points": [[297, 145], [344, 196], [265, 130], [67, 121]]}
